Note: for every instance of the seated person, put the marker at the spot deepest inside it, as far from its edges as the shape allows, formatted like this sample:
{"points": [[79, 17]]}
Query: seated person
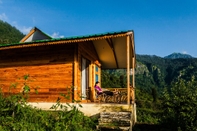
{"points": [[100, 91]]}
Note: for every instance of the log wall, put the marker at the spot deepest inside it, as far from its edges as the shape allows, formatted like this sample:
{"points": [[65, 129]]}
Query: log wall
{"points": [[50, 70]]}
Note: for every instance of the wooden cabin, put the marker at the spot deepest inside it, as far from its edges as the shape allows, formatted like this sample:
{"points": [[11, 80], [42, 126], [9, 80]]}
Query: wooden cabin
{"points": [[71, 65]]}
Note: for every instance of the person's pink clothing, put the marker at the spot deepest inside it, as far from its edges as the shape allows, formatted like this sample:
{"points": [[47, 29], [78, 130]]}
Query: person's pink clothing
{"points": [[99, 90]]}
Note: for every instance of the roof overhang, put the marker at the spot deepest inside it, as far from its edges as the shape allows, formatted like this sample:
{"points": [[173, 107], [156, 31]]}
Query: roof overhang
{"points": [[112, 52], [112, 48]]}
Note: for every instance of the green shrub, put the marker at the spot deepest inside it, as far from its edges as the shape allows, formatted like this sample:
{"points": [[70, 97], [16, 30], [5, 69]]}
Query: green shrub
{"points": [[17, 115], [151, 116], [179, 105]]}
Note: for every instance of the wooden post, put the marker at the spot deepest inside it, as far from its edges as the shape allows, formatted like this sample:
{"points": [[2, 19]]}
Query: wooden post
{"points": [[75, 72], [133, 69], [90, 82], [128, 70], [133, 79]]}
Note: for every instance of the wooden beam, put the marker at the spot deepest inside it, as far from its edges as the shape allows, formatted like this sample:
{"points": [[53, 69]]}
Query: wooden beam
{"points": [[128, 70], [110, 42]]}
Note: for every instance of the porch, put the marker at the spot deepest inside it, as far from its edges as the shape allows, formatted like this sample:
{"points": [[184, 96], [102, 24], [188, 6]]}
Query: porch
{"points": [[114, 51], [94, 108]]}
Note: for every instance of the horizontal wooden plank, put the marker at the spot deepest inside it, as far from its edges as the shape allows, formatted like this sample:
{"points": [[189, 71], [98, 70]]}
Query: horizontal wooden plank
{"points": [[44, 97], [27, 63], [17, 71], [38, 58], [46, 78], [38, 96], [50, 66], [54, 84], [49, 94], [34, 50]]}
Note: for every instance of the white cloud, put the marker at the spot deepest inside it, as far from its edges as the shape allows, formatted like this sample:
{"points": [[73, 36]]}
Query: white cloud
{"points": [[3, 17], [23, 29], [184, 52], [56, 35]]}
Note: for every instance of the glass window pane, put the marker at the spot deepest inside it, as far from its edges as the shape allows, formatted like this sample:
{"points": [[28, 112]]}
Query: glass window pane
{"points": [[96, 68], [97, 77]]}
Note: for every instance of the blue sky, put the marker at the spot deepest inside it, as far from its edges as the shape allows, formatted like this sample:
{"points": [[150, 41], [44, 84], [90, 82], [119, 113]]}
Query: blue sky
{"points": [[161, 27]]}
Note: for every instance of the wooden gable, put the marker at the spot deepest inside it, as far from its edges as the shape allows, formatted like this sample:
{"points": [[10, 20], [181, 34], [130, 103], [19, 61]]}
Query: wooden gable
{"points": [[35, 34]]}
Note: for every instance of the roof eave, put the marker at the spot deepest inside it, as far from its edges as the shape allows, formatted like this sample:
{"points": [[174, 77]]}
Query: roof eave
{"points": [[64, 40]]}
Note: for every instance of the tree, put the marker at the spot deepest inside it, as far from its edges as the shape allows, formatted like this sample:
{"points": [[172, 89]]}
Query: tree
{"points": [[179, 105], [154, 94], [9, 34]]}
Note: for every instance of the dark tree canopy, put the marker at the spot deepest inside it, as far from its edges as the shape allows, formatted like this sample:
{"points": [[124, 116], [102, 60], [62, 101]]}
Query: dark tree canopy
{"points": [[9, 34]]}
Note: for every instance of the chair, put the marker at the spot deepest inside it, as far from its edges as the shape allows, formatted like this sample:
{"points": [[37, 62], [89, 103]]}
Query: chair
{"points": [[100, 98]]}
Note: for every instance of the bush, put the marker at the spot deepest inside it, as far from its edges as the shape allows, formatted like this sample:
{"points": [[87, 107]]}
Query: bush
{"points": [[150, 116], [179, 105], [17, 115]]}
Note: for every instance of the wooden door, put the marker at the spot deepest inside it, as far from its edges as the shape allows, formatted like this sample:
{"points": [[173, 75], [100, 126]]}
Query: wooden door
{"points": [[85, 78]]}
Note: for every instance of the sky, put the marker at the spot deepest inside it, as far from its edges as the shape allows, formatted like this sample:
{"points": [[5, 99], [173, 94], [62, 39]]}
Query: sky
{"points": [[161, 27]]}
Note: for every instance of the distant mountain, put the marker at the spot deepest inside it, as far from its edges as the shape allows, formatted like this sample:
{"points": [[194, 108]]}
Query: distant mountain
{"points": [[178, 55], [9, 34]]}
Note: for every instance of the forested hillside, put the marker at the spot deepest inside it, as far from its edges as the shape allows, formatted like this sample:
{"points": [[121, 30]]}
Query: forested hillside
{"points": [[9, 34], [162, 72], [153, 72]]}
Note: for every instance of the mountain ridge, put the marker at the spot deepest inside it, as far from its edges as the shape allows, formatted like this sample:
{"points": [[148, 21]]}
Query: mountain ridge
{"points": [[176, 55]]}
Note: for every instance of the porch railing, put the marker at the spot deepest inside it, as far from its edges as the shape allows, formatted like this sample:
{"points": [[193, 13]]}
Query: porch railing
{"points": [[120, 96]]}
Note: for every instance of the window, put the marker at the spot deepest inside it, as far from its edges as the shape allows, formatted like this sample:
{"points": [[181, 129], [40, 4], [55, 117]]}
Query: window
{"points": [[96, 69], [97, 73], [97, 77]]}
